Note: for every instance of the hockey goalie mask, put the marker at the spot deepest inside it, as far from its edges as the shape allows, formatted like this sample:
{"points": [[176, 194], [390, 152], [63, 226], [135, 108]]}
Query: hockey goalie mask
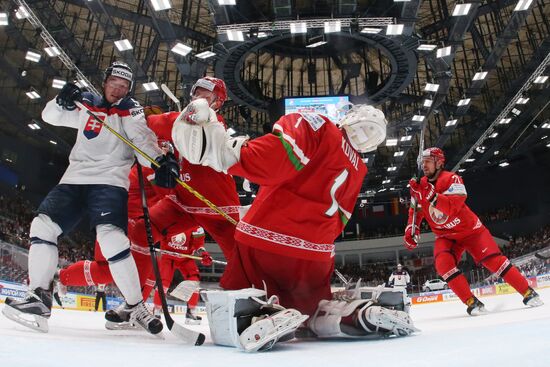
{"points": [[365, 127]]}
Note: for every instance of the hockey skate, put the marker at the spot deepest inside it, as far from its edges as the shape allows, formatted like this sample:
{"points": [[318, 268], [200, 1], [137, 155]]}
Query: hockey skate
{"points": [[134, 315], [532, 298], [119, 319], [33, 311], [191, 318], [475, 307]]}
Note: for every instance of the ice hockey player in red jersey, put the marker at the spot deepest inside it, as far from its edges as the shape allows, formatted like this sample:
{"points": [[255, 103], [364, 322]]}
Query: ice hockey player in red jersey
{"points": [[441, 197], [310, 173], [190, 242]]}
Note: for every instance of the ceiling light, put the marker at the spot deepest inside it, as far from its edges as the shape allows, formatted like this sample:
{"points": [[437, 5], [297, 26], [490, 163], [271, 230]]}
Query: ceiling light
{"points": [[418, 118], [387, 181], [234, 35], [516, 112], [463, 102], [426, 47], [33, 94], [493, 135], [480, 75], [182, 49], [451, 123], [150, 86], [33, 56], [58, 83], [505, 121], [298, 27], [401, 1], [504, 164], [262, 35], [406, 138], [34, 126], [53, 142], [522, 100], [391, 142], [52, 51], [546, 125], [205, 54], [331, 27], [480, 149], [394, 29], [4, 19], [227, 2], [392, 168], [161, 4], [445, 51], [428, 103], [366, 160], [22, 13], [316, 44], [496, 152], [82, 83], [541, 79], [461, 170], [523, 5], [470, 159], [371, 30], [382, 190], [461, 9], [544, 137], [398, 154], [430, 87], [123, 45], [548, 145]]}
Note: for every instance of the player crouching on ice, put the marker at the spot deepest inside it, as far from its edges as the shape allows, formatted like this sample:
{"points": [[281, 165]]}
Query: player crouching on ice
{"points": [[310, 173]]}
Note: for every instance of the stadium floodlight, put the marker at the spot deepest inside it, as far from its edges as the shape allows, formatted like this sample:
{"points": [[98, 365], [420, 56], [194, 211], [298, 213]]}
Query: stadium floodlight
{"points": [[150, 86], [418, 118], [58, 83], [4, 19], [444, 51], [463, 102], [470, 160], [394, 29], [505, 121], [22, 13], [496, 152], [461, 170], [392, 168], [34, 126], [298, 27], [205, 54], [33, 56], [401, 1], [546, 125], [451, 123], [426, 47], [522, 100], [493, 135], [427, 103], [33, 94], [182, 49], [480, 75], [262, 35], [53, 142], [234, 35], [391, 142], [331, 27], [516, 112], [123, 45], [523, 5], [366, 160], [159, 5], [504, 164], [370, 30], [386, 181], [316, 44], [406, 137], [461, 9], [82, 83], [52, 51], [398, 154], [430, 87], [541, 79], [227, 2]]}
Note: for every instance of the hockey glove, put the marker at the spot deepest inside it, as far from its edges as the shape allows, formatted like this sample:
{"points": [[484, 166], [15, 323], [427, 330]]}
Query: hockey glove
{"points": [[68, 95], [428, 192], [206, 258], [167, 171], [411, 241], [415, 191]]}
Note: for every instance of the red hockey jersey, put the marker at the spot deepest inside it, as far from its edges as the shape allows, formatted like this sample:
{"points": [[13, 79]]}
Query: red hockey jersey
{"points": [[309, 177], [185, 243], [450, 217]]}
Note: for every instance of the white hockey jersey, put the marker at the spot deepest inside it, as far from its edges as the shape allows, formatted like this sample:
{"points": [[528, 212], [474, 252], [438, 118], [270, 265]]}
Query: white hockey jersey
{"points": [[399, 278], [98, 156]]}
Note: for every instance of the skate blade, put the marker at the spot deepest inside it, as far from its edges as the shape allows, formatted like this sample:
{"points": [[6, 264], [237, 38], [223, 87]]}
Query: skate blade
{"points": [[479, 312], [37, 323], [192, 322], [109, 325], [535, 302]]}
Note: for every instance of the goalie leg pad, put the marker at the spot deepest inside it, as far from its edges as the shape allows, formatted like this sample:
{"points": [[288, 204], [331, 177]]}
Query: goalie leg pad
{"points": [[376, 319], [326, 322]]}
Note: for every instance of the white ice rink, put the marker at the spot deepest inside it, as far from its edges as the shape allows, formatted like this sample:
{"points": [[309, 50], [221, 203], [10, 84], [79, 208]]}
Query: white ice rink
{"points": [[511, 335]]}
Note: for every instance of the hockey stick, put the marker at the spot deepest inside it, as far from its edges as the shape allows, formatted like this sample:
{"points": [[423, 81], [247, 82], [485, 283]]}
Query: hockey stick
{"points": [[197, 194], [341, 277], [414, 204], [171, 95], [187, 335], [187, 256]]}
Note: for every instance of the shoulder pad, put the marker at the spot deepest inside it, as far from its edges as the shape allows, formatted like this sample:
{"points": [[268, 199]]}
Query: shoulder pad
{"points": [[314, 120]]}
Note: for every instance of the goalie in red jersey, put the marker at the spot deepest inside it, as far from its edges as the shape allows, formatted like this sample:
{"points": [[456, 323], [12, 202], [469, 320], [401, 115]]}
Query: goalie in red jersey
{"points": [[441, 197]]}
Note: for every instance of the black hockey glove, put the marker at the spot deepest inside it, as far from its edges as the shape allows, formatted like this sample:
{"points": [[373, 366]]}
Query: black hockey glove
{"points": [[167, 172], [68, 94]]}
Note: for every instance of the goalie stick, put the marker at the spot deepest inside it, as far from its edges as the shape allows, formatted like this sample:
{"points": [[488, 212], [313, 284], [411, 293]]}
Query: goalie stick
{"points": [[187, 335], [197, 194], [171, 95]]}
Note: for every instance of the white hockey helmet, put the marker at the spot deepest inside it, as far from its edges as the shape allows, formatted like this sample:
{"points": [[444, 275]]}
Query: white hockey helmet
{"points": [[365, 127]]}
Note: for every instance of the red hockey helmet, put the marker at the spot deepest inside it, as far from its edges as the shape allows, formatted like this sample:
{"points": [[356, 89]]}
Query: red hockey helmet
{"points": [[214, 85], [436, 153]]}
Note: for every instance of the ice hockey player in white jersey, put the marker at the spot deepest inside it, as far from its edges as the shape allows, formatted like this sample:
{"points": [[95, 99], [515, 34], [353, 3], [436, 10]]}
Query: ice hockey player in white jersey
{"points": [[96, 184], [399, 278]]}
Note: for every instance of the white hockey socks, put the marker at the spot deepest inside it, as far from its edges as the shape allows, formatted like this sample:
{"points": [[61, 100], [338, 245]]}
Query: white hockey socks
{"points": [[43, 254]]}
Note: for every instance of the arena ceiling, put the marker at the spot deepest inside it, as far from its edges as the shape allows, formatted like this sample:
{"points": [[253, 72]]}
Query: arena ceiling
{"points": [[466, 111]]}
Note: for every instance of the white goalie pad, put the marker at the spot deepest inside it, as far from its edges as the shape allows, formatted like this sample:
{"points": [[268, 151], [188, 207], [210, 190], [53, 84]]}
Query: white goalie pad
{"points": [[185, 290], [392, 298], [222, 150], [326, 322], [245, 320], [379, 319]]}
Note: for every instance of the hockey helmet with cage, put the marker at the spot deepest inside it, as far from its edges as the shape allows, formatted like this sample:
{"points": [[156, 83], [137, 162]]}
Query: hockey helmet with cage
{"points": [[365, 127], [214, 85], [120, 70], [435, 153]]}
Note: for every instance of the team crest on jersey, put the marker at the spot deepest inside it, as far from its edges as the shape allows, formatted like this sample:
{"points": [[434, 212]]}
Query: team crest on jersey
{"points": [[437, 215], [178, 241], [93, 127]]}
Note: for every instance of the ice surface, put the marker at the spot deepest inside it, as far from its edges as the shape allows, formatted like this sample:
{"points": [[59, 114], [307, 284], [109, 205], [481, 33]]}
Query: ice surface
{"points": [[511, 335]]}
